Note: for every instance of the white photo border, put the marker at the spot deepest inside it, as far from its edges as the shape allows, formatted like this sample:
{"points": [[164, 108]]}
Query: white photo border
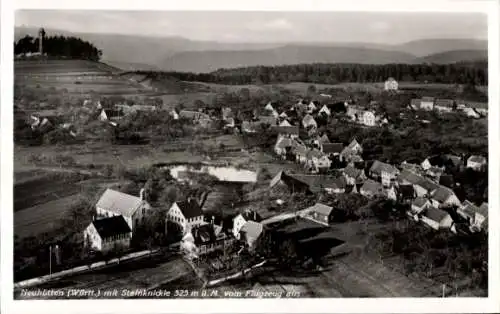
{"points": [[346, 305]]}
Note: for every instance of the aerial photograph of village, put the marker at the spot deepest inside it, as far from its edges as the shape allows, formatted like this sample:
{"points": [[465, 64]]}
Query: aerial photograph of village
{"points": [[190, 154]]}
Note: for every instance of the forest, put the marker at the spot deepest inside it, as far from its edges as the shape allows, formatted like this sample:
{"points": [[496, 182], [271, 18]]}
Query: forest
{"points": [[455, 73], [59, 46]]}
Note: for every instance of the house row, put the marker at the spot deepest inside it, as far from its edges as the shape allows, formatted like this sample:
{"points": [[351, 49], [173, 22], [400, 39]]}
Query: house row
{"points": [[470, 109]]}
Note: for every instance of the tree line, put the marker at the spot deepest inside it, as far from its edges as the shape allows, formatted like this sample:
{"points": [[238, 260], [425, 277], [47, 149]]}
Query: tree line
{"points": [[323, 73], [59, 46]]}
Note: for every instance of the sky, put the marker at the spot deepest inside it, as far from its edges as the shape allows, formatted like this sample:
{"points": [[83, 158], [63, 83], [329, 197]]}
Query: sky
{"points": [[238, 26]]}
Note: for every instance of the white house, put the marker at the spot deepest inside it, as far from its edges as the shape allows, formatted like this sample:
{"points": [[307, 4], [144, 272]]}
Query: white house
{"points": [[427, 103], [385, 172], [371, 189], [476, 162], [471, 113], [391, 84], [186, 214], [133, 209], [367, 118], [107, 234], [311, 107], [325, 110], [240, 220], [283, 144], [269, 107], [309, 122]]}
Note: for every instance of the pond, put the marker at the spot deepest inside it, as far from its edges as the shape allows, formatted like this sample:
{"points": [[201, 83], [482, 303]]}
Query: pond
{"points": [[225, 174]]}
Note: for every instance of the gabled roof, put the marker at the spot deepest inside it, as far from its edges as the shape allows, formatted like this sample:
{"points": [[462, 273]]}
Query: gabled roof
{"points": [[353, 143], [469, 209], [435, 214], [320, 209], [252, 229], [314, 153], [108, 227], [441, 194], [324, 139], [118, 202], [203, 234], [330, 148], [427, 184], [378, 167], [391, 79], [456, 160], [283, 115], [425, 98], [407, 191], [444, 103], [415, 102], [420, 201], [372, 186], [267, 120], [190, 208], [285, 123]]}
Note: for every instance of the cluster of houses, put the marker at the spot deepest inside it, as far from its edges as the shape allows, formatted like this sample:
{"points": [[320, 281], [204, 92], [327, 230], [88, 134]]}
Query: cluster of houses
{"points": [[424, 186], [470, 109], [118, 215]]}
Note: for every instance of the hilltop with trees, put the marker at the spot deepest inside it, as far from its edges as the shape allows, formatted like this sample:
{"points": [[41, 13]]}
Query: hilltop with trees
{"points": [[59, 46]]}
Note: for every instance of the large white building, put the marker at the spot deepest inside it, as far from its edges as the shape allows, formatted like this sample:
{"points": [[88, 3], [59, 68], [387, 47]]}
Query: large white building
{"points": [[186, 214], [391, 84]]}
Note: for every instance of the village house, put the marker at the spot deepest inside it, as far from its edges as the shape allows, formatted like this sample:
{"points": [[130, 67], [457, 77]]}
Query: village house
{"points": [[443, 197], [427, 103], [415, 104], [436, 218], [174, 114], [133, 209], [250, 232], [477, 163], [391, 193], [444, 105], [283, 115], [269, 107], [319, 213], [419, 205], [285, 123], [284, 183], [351, 150], [476, 216], [406, 193], [312, 107], [317, 161], [242, 219], [354, 175], [391, 84], [325, 110], [386, 173], [332, 149], [433, 161], [287, 131], [283, 146], [471, 113], [371, 189], [457, 161], [366, 117], [336, 186], [300, 152], [111, 115], [187, 214], [227, 113], [210, 238], [107, 234], [308, 122]]}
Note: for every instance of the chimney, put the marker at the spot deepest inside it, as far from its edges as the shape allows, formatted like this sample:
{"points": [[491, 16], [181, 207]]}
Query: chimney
{"points": [[141, 194]]}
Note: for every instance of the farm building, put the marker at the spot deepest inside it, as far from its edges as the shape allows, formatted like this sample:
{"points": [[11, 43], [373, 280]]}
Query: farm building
{"points": [[354, 175], [476, 216], [107, 234], [391, 84], [386, 173], [209, 238], [186, 214], [133, 209], [284, 183], [419, 205], [242, 219]]}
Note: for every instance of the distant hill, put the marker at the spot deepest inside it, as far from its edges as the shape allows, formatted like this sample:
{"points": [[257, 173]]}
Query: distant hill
{"points": [[425, 47], [133, 52], [454, 56], [206, 61]]}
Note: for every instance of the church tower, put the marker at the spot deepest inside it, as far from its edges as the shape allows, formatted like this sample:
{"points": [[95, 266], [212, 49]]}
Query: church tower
{"points": [[41, 36]]}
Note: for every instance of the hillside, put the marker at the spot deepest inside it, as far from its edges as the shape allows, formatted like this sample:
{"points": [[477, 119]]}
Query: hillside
{"points": [[425, 47], [206, 61], [454, 56]]}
